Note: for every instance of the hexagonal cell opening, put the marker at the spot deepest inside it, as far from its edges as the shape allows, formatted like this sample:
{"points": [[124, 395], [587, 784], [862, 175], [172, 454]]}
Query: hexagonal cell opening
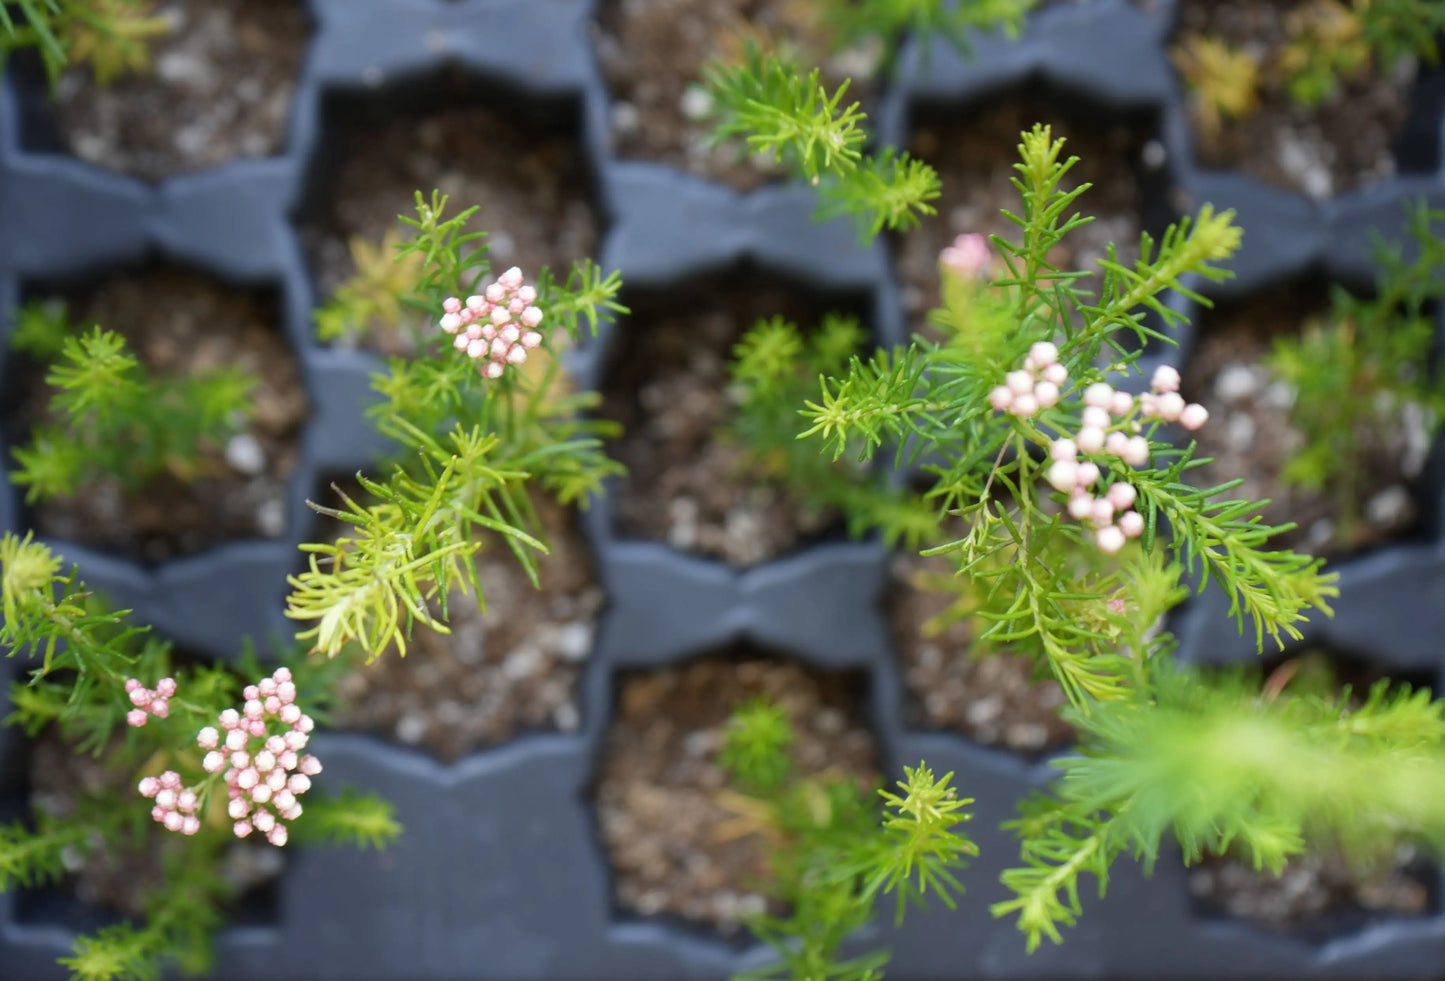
{"points": [[652, 53], [1380, 123], [218, 87], [1320, 895], [107, 885], [667, 382], [974, 147], [1251, 433], [509, 670], [178, 323], [661, 798], [994, 698], [518, 158]]}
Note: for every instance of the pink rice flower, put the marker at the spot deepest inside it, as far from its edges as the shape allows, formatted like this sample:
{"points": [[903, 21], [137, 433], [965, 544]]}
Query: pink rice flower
{"points": [[496, 327], [148, 701]]}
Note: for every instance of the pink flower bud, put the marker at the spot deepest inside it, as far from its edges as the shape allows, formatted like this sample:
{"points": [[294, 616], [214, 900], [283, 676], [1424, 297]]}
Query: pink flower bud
{"points": [[293, 812], [310, 765], [261, 793], [1122, 495], [264, 821], [238, 808], [452, 305], [290, 713], [496, 293], [248, 778], [265, 688], [1121, 404], [1081, 505], [1025, 405], [265, 761], [527, 294], [493, 369], [208, 738], [190, 824], [284, 800], [1194, 416], [1094, 417], [158, 814], [160, 708], [295, 739], [242, 828], [230, 718], [499, 349], [1088, 474], [1001, 398], [1102, 512], [131, 684], [186, 802], [1149, 405], [1109, 539], [478, 348], [511, 279], [213, 762], [305, 724], [287, 760], [275, 745], [451, 323], [166, 687], [1098, 395], [1064, 475], [136, 717], [253, 709], [171, 780], [149, 787], [515, 306], [140, 697], [276, 779], [257, 728], [500, 316], [1171, 404], [173, 821], [1056, 374], [277, 835], [1117, 443], [509, 333], [286, 691], [298, 783], [1063, 449], [477, 303], [1131, 523], [251, 693], [272, 704], [1020, 382], [1047, 394], [1166, 379], [240, 759], [531, 339], [281, 675], [1136, 454], [1044, 353], [517, 354], [531, 316], [1091, 439]]}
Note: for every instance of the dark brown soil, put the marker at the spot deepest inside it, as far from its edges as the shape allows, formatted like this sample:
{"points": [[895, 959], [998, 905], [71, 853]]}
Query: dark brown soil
{"points": [[219, 88], [1249, 434], [1321, 151], [534, 195], [179, 322], [1312, 887], [510, 669], [675, 848], [974, 151], [688, 483], [652, 53], [993, 699], [120, 879]]}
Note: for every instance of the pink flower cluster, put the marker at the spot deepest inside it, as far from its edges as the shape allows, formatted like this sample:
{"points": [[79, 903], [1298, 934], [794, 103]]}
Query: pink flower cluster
{"points": [[1108, 425], [1036, 386], [149, 702], [497, 328], [175, 805], [276, 773], [969, 256]]}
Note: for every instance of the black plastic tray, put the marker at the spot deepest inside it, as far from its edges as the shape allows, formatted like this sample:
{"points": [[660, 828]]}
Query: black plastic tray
{"points": [[500, 874]]}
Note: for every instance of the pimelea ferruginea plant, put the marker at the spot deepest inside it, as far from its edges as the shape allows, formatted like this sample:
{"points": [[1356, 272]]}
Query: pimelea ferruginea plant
{"points": [[480, 416], [1078, 527], [85, 684]]}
